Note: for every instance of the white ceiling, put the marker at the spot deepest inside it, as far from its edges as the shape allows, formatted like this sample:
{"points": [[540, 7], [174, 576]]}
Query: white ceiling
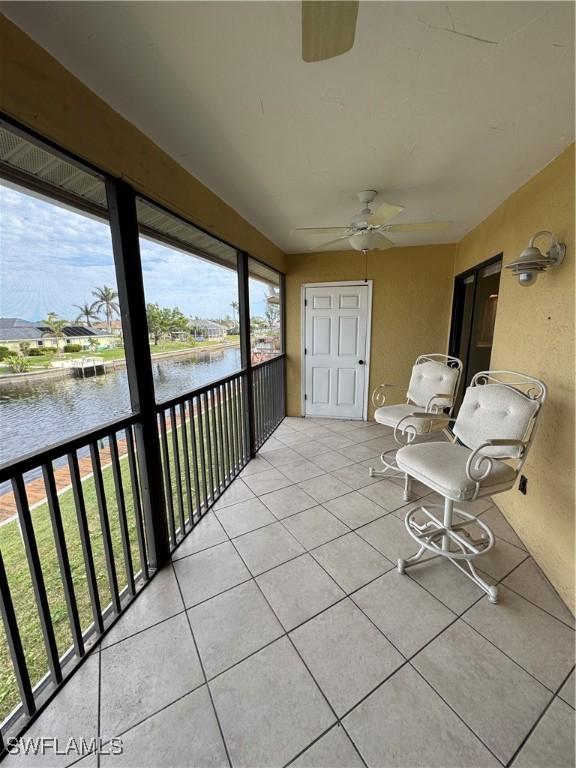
{"points": [[444, 108]]}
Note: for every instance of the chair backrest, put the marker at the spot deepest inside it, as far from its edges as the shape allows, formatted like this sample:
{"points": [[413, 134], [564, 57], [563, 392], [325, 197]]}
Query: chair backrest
{"points": [[434, 374], [500, 405]]}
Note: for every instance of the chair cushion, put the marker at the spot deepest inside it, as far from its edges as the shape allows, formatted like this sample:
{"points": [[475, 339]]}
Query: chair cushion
{"points": [[494, 411], [442, 467], [391, 415], [432, 378]]}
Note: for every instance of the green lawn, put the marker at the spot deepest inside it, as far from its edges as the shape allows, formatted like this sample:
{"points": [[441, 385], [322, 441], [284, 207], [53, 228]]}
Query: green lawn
{"points": [[44, 361], [19, 577]]}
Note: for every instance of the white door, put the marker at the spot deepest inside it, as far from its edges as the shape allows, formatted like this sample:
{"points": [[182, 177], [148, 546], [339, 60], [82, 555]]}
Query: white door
{"points": [[336, 326]]}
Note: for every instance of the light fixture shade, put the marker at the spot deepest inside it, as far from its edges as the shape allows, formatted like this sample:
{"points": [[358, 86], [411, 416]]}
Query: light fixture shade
{"points": [[532, 261], [531, 258], [366, 241]]}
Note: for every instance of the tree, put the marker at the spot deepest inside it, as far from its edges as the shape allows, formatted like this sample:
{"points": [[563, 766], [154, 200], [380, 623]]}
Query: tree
{"points": [[55, 327], [257, 323], [87, 313], [164, 320], [156, 321], [24, 347], [106, 303], [234, 306]]}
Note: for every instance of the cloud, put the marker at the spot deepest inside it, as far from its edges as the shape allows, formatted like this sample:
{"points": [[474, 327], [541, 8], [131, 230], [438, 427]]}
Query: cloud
{"points": [[52, 258]]}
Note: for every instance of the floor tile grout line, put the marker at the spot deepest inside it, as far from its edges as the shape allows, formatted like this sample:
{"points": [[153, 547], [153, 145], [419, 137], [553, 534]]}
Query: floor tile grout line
{"points": [[277, 519], [153, 714], [356, 747], [553, 615], [297, 651], [539, 720], [99, 725], [522, 545], [518, 664], [458, 715], [408, 661], [144, 629], [337, 724], [203, 671], [314, 741]]}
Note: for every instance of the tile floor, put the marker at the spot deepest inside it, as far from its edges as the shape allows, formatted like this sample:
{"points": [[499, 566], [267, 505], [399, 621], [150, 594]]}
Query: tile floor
{"points": [[281, 634]]}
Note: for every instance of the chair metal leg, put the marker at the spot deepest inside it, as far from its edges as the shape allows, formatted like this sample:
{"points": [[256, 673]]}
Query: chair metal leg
{"points": [[451, 540], [407, 487], [390, 468]]}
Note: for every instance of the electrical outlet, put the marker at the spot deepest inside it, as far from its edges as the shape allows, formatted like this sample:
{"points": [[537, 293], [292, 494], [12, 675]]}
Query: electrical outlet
{"points": [[523, 484]]}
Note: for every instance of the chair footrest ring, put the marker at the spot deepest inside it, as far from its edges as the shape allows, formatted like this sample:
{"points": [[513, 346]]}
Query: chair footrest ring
{"points": [[465, 538], [390, 468]]}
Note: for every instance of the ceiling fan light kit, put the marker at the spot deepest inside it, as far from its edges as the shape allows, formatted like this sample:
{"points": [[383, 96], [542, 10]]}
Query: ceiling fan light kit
{"points": [[369, 241], [367, 229]]}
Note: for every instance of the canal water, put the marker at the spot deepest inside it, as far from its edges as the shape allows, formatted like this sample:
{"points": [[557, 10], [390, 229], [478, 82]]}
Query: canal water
{"points": [[35, 416]]}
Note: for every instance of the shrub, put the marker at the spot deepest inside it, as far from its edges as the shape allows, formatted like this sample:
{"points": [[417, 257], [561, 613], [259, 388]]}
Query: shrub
{"points": [[18, 364], [4, 353], [36, 352], [24, 347], [69, 348]]}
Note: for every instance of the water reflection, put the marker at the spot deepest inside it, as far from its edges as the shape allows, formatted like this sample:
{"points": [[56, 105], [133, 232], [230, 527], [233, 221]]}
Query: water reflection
{"points": [[37, 415]]}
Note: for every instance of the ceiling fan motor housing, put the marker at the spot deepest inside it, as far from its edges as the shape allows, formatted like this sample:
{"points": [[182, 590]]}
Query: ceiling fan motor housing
{"points": [[367, 196]]}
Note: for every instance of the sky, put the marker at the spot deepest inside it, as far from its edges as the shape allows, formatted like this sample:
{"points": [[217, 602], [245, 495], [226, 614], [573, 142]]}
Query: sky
{"points": [[52, 258]]}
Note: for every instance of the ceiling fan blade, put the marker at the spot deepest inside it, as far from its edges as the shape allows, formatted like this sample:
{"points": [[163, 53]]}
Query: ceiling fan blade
{"points": [[422, 226], [385, 212], [330, 242], [320, 230], [328, 28], [384, 243]]}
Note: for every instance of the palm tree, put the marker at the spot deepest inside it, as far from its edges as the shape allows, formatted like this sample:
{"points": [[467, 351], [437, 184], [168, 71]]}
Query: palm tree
{"points": [[234, 306], [55, 327], [106, 302], [87, 313]]}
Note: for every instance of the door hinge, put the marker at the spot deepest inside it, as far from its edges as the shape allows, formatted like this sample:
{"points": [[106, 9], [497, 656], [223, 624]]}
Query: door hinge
{"points": [[305, 350], [305, 397], [305, 302]]}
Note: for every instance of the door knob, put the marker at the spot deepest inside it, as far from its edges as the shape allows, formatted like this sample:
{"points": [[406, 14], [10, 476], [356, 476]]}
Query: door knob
{"points": [[360, 362]]}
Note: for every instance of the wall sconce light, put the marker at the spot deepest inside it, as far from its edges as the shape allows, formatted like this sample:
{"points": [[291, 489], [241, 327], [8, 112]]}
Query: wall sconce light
{"points": [[532, 261]]}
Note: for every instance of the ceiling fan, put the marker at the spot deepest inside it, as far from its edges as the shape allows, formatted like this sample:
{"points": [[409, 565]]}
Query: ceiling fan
{"points": [[366, 231], [328, 28]]}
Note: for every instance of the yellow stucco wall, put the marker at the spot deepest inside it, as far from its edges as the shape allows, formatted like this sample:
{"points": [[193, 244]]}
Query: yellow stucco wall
{"points": [[411, 305], [535, 334], [36, 90]]}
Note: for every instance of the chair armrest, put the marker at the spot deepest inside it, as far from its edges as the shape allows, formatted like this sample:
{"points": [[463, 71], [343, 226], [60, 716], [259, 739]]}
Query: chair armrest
{"points": [[379, 394], [479, 465], [439, 396], [431, 416], [502, 441], [404, 432]]}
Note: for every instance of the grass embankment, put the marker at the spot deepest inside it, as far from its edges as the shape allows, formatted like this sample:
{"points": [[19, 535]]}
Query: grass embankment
{"points": [[41, 362], [19, 576]]}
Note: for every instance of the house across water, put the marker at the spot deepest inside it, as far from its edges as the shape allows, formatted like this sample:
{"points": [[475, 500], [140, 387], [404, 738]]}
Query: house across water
{"points": [[18, 335]]}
